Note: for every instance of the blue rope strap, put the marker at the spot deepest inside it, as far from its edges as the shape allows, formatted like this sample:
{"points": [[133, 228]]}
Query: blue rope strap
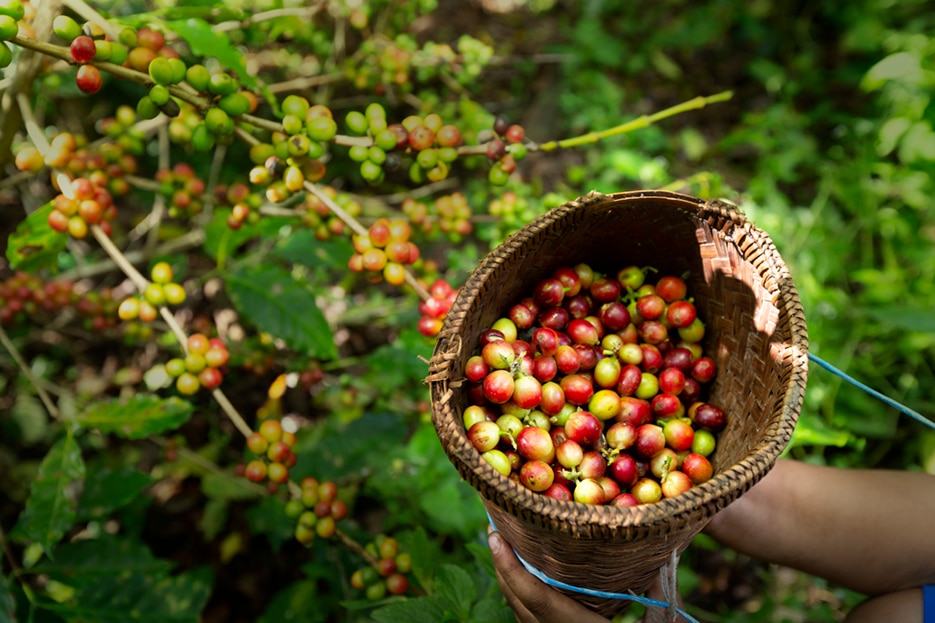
{"points": [[646, 601], [889, 401]]}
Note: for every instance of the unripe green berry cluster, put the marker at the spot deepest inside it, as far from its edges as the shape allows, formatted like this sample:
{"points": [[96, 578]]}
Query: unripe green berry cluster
{"points": [[294, 155], [12, 13], [160, 291], [389, 572], [316, 511], [427, 144], [202, 365]]}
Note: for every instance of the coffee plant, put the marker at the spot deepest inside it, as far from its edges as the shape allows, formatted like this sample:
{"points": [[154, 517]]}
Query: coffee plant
{"points": [[232, 232]]}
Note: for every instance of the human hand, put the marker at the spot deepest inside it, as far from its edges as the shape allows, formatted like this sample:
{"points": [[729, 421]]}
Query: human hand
{"points": [[531, 600]]}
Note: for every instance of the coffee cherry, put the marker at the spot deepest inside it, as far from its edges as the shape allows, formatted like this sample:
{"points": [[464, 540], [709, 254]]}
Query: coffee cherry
{"points": [[198, 77], [321, 129], [8, 28], [187, 384], [255, 471], [129, 309], [218, 122], [89, 79], [198, 343], [13, 8], [82, 49]]}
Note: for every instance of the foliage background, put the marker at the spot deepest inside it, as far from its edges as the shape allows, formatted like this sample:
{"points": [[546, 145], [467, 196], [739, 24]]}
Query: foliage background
{"points": [[827, 143]]}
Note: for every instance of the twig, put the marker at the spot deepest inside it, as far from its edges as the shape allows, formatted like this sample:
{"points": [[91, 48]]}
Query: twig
{"points": [[27, 372], [90, 14], [638, 123]]}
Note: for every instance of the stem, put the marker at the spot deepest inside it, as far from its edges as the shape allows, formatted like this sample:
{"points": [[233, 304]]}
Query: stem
{"points": [[28, 373], [638, 123], [231, 412], [141, 282], [355, 547], [299, 84], [89, 14], [355, 225], [27, 589], [185, 241], [268, 15]]}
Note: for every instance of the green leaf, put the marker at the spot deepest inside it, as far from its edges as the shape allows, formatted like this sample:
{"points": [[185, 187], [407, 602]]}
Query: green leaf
{"points": [[456, 587], [7, 602], [397, 365], [414, 610], [278, 304], [107, 489], [53, 496], [205, 40], [122, 597], [221, 241], [34, 245], [137, 416], [334, 448], [300, 601], [87, 561], [227, 487], [302, 247], [492, 610], [268, 517], [811, 430], [919, 320]]}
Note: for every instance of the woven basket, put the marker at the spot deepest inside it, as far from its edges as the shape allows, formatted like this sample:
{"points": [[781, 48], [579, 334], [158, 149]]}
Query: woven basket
{"points": [[755, 331]]}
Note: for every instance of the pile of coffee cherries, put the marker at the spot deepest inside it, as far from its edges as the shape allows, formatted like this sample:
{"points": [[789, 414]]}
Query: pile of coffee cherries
{"points": [[593, 388]]}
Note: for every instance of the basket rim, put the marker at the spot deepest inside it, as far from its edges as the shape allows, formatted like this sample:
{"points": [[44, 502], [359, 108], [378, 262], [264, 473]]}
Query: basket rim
{"points": [[732, 480]]}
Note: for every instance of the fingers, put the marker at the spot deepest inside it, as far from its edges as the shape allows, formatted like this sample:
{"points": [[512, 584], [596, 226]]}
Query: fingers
{"points": [[530, 599]]}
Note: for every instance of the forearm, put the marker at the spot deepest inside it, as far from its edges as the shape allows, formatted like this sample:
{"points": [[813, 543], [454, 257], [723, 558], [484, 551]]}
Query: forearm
{"points": [[867, 530]]}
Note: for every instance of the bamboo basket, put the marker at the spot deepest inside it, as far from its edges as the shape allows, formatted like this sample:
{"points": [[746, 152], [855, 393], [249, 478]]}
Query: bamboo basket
{"points": [[755, 331]]}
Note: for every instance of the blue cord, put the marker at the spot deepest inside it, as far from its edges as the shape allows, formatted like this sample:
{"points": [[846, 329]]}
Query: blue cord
{"points": [[587, 591], [889, 401]]}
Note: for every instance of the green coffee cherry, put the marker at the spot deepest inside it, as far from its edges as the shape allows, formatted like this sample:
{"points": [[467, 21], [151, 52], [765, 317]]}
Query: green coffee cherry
{"points": [[6, 55], [292, 124], [118, 53], [199, 77], [178, 69], [321, 128], [219, 122], [12, 8], [295, 105], [222, 84], [260, 152], [160, 71], [234, 104], [146, 108], [202, 138], [8, 28], [159, 94], [356, 122]]}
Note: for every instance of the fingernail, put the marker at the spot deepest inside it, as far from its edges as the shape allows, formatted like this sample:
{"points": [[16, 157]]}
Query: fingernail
{"points": [[495, 542]]}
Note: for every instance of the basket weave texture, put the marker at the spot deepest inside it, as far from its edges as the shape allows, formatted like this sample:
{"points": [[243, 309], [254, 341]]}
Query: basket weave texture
{"points": [[755, 331]]}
